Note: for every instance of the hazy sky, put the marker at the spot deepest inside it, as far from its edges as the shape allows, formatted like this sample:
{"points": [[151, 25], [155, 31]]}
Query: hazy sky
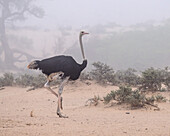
{"points": [[79, 13]]}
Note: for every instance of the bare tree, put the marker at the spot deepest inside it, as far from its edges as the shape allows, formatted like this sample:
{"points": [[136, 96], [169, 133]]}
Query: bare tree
{"points": [[11, 11]]}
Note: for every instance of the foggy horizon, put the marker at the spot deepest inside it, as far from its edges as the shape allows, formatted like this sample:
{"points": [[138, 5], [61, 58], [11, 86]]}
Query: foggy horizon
{"points": [[78, 14]]}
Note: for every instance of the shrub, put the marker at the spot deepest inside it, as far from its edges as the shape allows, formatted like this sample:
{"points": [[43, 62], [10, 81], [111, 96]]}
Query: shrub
{"points": [[127, 95], [152, 79], [163, 90], [26, 80], [109, 97], [160, 98], [85, 76], [127, 77], [122, 93], [7, 79], [93, 101], [39, 81], [102, 73], [166, 78], [136, 99], [150, 99]]}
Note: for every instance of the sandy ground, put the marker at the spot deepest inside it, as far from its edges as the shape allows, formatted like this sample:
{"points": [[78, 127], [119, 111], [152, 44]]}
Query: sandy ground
{"points": [[16, 105]]}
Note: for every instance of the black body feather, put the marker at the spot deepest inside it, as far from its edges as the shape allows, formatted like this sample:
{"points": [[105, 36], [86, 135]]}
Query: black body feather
{"points": [[65, 64]]}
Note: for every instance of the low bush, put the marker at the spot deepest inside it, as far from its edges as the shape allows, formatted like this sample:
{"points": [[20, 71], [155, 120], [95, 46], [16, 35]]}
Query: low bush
{"points": [[160, 98], [36, 81], [150, 99], [110, 96], [102, 73], [24, 80], [134, 98], [152, 79], [85, 76], [127, 77], [7, 79], [126, 95]]}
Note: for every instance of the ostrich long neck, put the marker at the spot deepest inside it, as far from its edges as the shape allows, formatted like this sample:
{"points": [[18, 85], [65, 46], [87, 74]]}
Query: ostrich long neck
{"points": [[81, 46]]}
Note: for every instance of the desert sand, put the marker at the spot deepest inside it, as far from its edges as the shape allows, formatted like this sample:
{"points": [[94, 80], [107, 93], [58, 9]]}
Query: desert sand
{"points": [[33, 113]]}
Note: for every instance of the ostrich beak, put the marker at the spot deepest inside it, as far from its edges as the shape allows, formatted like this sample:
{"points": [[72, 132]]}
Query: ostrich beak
{"points": [[86, 33], [28, 66]]}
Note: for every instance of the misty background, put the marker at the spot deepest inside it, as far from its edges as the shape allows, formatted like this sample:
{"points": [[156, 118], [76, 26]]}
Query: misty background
{"points": [[123, 34]]}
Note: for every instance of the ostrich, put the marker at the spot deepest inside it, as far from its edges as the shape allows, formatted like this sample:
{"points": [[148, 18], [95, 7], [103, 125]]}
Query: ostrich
{"points": [[63, 67]]}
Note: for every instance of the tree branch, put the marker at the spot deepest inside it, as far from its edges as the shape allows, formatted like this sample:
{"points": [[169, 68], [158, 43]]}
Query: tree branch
{"points": [[19, 56], [18, 13], [28, 56]]}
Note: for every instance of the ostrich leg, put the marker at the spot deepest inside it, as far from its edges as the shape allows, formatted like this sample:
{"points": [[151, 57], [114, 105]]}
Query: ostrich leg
{"points": [[47, 86], [50, 78], [60, 98]]}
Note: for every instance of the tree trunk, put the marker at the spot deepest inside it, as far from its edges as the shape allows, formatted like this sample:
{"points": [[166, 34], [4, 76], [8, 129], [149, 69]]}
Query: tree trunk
{"points": [[8, 54]]}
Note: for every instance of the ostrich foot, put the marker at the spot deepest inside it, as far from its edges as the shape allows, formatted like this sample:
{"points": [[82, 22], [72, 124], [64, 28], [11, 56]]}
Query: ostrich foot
{"points": [[61, 116]]}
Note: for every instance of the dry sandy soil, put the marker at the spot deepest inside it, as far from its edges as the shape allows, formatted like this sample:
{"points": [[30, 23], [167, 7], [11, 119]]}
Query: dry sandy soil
{"points": [[16, 104]]}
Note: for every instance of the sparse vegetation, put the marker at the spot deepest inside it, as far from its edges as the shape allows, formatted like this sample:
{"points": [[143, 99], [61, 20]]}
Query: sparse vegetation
{"points": [[110, 96], [134, 98], [25, 80], [85, 76], [7, 79], [93, 101], [166, 78], [102, 73], [36, 81], [152, 79], [127, 77], [160, 98], [126, 95]]}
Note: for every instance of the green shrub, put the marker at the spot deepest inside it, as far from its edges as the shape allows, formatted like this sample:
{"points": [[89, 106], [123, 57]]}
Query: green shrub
{"points": [[85, 76], [39, 81], [163, 90], [150, 99], [126, 95], [127, 77], [136, 99], [152, 79], [26, 80], [7, 79], [166, 78], [109, 97], [160, 98], [122, 93], [102, 73]]}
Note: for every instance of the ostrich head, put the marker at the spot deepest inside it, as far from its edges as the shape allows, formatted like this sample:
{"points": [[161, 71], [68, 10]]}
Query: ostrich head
{"points": [[83, 33], [33, 65]]}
